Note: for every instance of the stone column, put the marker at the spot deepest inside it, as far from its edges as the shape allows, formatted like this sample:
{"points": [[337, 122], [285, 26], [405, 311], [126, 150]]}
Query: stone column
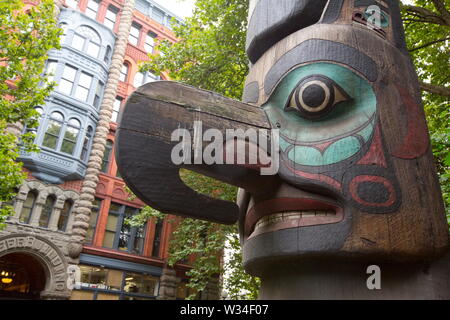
{"points": [[168, 285], [36, 214], [83, 210]]}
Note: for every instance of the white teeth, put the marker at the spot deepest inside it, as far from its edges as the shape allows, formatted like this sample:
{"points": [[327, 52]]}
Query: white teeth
{"points": [[292, 215]]}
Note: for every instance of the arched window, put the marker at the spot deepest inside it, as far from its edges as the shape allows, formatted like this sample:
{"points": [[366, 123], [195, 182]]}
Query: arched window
{"points": [[53, 132], [87, 40], [71, 136], [28, 207], [107, 156], [46, 213], [86, 143], [124, 73], [107, 54], [64, 216]]}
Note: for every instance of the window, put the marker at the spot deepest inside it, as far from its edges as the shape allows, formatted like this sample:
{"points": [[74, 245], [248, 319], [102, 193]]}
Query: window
{"points": [[111, 225], [51, 70], [28, 207], [71, 136], [119, 234], [67, 80], [158, 15], [143, 78], [98, 282], [138, 79], [157, 238], [53, 132], [87, 40], [92, 8], [46, 213], [111, 16], [84, 85], [142, 284], [124, 73], [93, 221], [116, 109], [107, 156], [86, 143], [150, 42], [107, 54], [62, 37], [135, 30], [151, 77], [64, 216], [72, 3], [98, 94]]}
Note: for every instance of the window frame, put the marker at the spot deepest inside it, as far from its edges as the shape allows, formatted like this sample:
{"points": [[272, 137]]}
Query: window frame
{"points": [[121, 216], [67, 215], [114, 10], [136, 38], [90, 10], [105, 169], [51, 209], [35, 193]]}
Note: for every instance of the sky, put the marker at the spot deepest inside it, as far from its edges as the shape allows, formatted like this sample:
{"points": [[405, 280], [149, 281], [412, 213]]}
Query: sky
{"points": [[181, 8]]}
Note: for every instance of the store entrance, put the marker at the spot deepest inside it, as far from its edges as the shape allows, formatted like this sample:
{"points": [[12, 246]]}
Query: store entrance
{"points": [[21, 277]]}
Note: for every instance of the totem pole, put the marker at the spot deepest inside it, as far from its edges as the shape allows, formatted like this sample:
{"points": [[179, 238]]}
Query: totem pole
{"points": [[356, 188]]}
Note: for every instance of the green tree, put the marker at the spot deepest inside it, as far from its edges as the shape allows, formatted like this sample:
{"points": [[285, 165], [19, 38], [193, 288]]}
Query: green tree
{"points": [[25, 39], [427, 27], [211, 55]]}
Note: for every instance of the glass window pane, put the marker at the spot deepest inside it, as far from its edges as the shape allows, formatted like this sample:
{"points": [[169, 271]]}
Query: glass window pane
{"points": [[106, 158], [51, 70], [82, 295], [93, 49], [82, 94], [46, 212], [92, 9], [114, 281], [85, 80], [27, 207], [69, 73], [138, 79], [143, 284], [123, 73], [111, 224], [108, 240], [52, 134], [93, 277], [78, 42], [124, 237], [65, 87], [64, 216]]}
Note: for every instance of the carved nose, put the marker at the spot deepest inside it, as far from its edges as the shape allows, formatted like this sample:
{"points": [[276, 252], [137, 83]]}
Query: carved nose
{"points": [[145, 148]]}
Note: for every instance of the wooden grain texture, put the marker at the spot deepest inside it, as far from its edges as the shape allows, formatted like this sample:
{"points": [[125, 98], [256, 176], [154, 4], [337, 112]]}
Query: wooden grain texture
{"points": [[144, 147]]}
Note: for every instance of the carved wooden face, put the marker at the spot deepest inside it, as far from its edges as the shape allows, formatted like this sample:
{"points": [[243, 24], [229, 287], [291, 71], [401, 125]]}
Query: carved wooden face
{"points": [[356, 175], [344, 96]]}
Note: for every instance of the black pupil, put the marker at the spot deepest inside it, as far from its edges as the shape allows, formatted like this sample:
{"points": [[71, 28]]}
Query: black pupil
{"points": [[314, 96]]}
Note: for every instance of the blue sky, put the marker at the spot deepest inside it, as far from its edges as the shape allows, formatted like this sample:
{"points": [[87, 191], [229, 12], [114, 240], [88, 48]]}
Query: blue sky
{"points": [[182, 8]]}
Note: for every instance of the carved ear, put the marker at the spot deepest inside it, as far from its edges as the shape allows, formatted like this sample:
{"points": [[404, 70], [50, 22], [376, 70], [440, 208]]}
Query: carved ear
{"points": [[144, 147]]}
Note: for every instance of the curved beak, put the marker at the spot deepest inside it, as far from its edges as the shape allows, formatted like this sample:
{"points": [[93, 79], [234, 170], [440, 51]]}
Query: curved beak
{"points": [[145, 146]]}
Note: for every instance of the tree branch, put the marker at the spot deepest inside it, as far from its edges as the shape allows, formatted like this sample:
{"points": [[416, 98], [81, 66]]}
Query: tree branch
{"points": [[425, 14], [439, 90], [440, 6], [429, 44]]}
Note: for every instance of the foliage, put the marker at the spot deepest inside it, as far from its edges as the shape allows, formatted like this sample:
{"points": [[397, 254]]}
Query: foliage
{"points": [[211, 52], [25, 39], [427, 26]]}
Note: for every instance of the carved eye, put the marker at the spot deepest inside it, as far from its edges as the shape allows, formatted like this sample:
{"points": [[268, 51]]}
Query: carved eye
{"points": [[316, 96]]}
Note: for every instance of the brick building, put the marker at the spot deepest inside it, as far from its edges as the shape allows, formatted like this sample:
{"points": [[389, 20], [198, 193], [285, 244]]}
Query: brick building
{"points": [[70, 212]]}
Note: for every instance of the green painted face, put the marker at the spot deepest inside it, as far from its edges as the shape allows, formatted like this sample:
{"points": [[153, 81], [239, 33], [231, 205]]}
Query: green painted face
{"points": [[325, 112]]}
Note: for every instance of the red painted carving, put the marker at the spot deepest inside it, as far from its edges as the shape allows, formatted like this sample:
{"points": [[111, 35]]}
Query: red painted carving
{"points": [[415, 142], [375, 155]]}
